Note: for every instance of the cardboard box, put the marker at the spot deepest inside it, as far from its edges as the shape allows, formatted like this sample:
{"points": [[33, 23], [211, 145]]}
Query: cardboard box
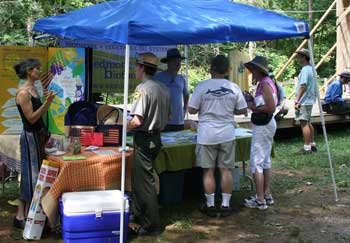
{"points": [[36, 217]]}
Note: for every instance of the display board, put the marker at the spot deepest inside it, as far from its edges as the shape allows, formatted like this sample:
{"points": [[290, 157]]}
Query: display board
{"points": [[63, 70], [108, 64]]}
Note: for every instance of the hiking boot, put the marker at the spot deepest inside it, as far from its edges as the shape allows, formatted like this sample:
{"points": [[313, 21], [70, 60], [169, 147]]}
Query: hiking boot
{"points": [[18, 223], [254, 203], [141, 231], [209, 211], [225, 211], [314, 149], [304, 152]]}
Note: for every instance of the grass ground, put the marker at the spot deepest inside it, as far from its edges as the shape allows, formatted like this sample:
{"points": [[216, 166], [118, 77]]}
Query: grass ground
{"points": [[305, 210]]}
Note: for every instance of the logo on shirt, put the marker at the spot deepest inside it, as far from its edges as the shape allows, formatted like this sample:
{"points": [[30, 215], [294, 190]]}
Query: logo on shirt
{"points": [[137, 95], [220, 92]]}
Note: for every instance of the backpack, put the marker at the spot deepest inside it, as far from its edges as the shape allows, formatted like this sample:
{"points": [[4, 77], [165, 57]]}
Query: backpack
{"points": [[81, 113]]}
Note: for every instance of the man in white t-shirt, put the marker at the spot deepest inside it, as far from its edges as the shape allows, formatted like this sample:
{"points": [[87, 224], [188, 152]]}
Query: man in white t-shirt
{"points": [[217, 100]]}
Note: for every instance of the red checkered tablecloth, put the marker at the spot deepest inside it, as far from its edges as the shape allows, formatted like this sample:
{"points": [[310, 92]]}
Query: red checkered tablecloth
{"points": [[96, 172]]}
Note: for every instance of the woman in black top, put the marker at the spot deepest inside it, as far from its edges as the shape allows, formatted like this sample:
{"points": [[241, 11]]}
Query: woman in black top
{"points": [[33, 137]]}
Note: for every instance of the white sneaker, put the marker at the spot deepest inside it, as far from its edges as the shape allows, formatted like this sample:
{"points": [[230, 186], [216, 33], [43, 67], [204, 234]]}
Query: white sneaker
{"points": [[269, 200], [254, 203]]}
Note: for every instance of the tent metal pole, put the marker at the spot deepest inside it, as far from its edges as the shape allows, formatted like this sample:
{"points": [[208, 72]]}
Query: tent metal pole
{"points": [[323, 121], [124, 148], [186, 70], [186, 62]]}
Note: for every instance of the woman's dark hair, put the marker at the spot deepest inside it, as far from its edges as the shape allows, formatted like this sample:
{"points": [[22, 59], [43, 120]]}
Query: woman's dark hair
{"points": [[25, 65]]}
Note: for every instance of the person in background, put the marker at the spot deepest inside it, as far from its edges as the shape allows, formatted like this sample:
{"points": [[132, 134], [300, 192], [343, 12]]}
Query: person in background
{"points": [[334, 92], [178, 89], [264, 129], [34, 134], [281, 108], [216, 101], [149, 115], [304, 101]]}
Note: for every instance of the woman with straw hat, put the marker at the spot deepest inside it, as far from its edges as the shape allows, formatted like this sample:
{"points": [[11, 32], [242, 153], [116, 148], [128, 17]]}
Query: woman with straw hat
{"points": [[264, 128]]}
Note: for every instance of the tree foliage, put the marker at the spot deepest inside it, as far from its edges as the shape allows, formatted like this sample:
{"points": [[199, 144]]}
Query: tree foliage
{"points": [[18, 16]]}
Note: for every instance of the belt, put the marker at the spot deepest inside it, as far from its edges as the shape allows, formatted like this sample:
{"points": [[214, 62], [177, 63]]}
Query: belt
{"points": [[148, 133]]}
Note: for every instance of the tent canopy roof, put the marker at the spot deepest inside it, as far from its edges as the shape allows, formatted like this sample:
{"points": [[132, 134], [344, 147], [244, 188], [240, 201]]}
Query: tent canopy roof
{"points": [[172, 22]]}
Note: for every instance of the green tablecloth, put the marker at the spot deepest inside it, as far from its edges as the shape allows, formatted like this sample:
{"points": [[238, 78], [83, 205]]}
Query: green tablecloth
{"points": [[178, 151]]}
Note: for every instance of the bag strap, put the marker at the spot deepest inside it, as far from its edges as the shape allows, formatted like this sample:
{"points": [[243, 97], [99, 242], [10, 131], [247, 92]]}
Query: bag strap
{"points": [[104, 119]]}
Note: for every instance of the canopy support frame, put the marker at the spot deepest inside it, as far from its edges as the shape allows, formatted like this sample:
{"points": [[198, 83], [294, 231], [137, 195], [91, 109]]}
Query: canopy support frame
{"points": [[322, 120], [124, 148]]}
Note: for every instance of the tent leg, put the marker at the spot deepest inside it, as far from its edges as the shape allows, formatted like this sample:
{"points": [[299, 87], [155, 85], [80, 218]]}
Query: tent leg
{"points": [[323, 121], [126, 92], [186, 71]]}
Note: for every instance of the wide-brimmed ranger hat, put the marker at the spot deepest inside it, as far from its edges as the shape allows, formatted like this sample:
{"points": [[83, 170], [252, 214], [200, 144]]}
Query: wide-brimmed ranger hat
{"points": [[304, 52], [260, 63], [147, 59], [345, 74], [171, 54]]}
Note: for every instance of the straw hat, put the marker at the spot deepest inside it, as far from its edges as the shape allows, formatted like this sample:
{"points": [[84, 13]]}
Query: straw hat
{"points": [[260, 63], [147, 59], [345, 74], [304, 52], [172, 53], [107, 115]]}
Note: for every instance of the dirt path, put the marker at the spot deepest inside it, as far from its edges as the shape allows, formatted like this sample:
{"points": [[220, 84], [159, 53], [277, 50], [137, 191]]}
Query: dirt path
{"points": [[303, 213]]}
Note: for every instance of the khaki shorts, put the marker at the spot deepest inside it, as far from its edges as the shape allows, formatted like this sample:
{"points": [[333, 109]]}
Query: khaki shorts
{"points": [[220, 155], [303, 113]]}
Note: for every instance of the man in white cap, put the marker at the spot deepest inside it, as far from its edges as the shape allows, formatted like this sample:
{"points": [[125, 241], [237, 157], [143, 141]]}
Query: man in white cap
{"points": [[304, 101], [178, 89]]}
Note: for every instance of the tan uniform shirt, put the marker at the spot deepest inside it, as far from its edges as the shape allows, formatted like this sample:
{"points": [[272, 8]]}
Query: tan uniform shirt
{"points": [[152, 103]]}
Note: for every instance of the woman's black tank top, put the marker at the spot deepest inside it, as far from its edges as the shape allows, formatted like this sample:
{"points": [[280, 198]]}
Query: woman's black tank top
{"points": [[39, 124]]}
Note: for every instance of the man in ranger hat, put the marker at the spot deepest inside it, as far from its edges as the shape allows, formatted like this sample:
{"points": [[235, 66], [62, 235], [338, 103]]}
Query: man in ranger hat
{"points": [[334, 92], [304, 101], [150, 111], [178, 89]]}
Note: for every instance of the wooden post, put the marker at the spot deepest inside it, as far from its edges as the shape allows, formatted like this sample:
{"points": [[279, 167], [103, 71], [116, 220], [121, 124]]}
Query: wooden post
{"points": [[343, 35], [312, 32], [326, 55]]}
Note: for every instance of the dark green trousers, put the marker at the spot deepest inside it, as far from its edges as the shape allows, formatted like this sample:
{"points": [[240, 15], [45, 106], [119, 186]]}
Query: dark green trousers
{"points": [[144, 204], [174, 128]]}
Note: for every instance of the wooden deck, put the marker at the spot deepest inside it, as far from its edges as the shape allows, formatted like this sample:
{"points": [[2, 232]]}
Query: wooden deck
{"points": [[288, 121]]}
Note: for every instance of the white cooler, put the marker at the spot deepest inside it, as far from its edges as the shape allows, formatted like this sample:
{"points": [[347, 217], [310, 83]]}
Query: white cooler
{"points": [[93, 216]]}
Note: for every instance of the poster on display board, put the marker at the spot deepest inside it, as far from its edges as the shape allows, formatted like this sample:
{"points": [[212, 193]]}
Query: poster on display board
{"points": [[62, 69], [10, 121], [67, 67], [108, 63]]}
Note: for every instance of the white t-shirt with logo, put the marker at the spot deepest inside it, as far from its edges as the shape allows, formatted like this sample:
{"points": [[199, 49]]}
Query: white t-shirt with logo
{"points": [[216, 100]]}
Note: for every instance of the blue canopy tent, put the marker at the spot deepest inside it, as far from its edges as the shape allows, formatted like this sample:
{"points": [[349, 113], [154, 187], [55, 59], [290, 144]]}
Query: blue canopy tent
{"points": [[174, 22]]}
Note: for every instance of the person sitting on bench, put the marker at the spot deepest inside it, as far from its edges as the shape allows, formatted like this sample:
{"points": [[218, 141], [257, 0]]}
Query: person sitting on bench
{"points": [[334, 103], [334, 92]]}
